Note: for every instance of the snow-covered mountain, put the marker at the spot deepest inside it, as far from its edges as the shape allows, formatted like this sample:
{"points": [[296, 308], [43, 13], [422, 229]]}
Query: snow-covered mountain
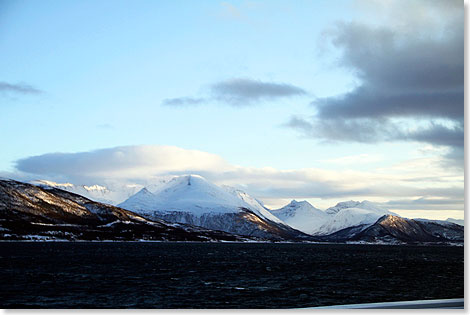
{"points": [[308, 219], [301, 215], [351, 213], [32, 212], [253, 202], [194, 194], [365, 205], [191, 199]]}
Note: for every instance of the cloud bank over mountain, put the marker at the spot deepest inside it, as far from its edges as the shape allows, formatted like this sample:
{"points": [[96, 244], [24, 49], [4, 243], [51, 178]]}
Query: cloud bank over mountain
{"points": [[145, 164]]}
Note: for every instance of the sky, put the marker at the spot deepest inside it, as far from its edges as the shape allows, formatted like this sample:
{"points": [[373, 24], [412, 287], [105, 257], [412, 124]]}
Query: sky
{"points": [[320, 100]]}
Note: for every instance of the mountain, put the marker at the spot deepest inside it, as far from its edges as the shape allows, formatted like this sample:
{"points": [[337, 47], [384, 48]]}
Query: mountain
{"points": [[302, 216], [100, 193], [443, 229], [252, 202], [308, 219], [351, 214], [365, 205], [342, 205], [396, 230], [456, 221], [191, 199], [349, 217], [354, 221], [32, 212]]}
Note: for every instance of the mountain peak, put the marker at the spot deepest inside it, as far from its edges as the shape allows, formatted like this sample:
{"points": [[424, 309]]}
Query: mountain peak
{"points": [[298, 203], [190, 193], [144, 191], [197, 196], [365, 204], [386, 219], [295, 206], [342, 205], [189, 180], [301, 215]]}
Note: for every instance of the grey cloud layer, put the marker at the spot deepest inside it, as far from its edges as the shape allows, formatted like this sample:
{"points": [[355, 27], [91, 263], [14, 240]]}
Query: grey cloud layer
{"points": [[406, 60], [428, 204], [240, 92], [244, 91], [19, 88], [371, 102], [368, 130], [411, 71], [183, 101]]}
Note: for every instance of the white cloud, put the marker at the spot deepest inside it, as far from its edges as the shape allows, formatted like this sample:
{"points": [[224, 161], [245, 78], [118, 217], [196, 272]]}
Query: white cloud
{"points": [[355, 159], [127, 162]]}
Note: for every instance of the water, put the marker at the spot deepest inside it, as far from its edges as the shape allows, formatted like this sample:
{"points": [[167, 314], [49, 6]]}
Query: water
{"points": [[223, 275]]}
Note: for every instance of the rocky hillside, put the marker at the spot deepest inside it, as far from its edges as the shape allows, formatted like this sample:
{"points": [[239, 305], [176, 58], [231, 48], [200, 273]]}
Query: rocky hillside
{"points": [[394, 229], [29, 212]]}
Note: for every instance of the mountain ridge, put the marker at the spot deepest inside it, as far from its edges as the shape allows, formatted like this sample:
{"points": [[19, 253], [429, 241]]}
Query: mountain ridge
{"points": [[191, 199], [236, 212], [29, 212], [396, 230]]}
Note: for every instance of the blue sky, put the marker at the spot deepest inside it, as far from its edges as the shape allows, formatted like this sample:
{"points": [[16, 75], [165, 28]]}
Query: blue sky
{"points": [[79, 76], [105, 68]]}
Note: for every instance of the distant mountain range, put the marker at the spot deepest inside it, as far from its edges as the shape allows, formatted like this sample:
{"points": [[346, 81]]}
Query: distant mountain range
{"points": [[305, 217], [191, 208]]}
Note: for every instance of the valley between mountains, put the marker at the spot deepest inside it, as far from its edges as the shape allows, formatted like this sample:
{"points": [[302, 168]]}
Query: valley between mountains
{"points": [[190, 208]]}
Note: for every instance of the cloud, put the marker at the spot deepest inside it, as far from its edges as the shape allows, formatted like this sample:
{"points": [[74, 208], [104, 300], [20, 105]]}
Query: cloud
{"points": [[120, 162], [372, 102], [18, 88], [367, 130], [145, 164], [454, 158], [438, 135], [409, 61], [355, 159], [337, 130], [183, 101], [427, 203], [240, 92]]}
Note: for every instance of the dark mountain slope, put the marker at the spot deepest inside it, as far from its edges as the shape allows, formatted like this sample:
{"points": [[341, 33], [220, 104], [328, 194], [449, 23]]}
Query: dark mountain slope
{"points": [[394, 229]]}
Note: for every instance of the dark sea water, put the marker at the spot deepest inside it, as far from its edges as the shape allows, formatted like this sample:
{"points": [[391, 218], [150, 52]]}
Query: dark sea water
{"points": [[223, 275]]}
